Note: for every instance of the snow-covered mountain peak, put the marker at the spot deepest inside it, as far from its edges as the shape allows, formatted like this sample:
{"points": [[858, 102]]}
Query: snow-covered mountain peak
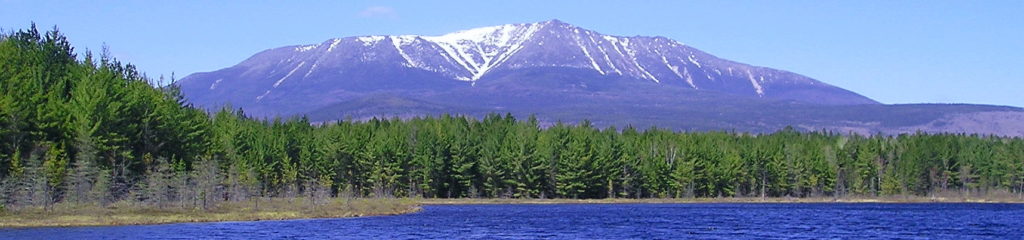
{"points": [[481, 49], [370, 40], [555, 23], [498, 35], [553, 47], [500, 67]]}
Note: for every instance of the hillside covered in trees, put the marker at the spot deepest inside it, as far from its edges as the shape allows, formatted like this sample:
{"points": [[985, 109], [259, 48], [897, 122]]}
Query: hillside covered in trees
{"points": [[90, 129]]}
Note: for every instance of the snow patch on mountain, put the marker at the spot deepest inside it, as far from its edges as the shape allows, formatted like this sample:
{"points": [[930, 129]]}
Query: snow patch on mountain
{"points": [[755, 83], [370, 40], [214, 85], [675, 69], [311, 69], [334, 44], [689, 78], [587, 53], [398, 42], [260, 97], [279, 81], [693, 60], [305, 48]]}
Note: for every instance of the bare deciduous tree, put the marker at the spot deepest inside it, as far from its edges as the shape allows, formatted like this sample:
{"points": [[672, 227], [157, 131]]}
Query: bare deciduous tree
{"points": [[160, 184], [208, 182]]}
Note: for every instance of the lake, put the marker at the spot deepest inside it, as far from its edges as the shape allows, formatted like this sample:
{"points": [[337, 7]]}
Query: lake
{"points": [[606, 221]]}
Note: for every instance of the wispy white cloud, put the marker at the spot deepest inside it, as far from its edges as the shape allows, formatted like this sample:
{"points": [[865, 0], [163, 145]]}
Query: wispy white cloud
{"points": [[378, 12]]}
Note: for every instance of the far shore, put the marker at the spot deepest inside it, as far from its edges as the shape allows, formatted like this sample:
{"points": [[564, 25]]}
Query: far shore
{"points": [[69, 215]]}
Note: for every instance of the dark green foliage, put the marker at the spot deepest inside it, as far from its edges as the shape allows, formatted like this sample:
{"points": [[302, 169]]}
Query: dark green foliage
{"points": [[96, 131]]}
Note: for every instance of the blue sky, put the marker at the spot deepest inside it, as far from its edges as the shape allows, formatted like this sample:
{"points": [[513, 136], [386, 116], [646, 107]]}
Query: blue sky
{"points": [[892, 51]]}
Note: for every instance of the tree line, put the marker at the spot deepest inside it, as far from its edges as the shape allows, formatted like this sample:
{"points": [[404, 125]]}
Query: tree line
{"points": [[90, 129]]}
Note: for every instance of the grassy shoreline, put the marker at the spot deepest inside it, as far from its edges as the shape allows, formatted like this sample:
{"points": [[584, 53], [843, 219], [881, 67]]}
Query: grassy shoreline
{"points": [[70, 215]]}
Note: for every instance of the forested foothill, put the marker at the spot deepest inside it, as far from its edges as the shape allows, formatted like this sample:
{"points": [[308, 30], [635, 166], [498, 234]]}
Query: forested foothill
{"points": [[88, 129]]}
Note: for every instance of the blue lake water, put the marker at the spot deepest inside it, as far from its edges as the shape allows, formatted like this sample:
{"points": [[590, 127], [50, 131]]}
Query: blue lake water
{"points": [[606, 221]]}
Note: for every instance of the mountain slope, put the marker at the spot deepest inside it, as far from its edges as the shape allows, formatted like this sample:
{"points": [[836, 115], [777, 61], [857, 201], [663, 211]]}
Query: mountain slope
{"points": [[550, 68]]}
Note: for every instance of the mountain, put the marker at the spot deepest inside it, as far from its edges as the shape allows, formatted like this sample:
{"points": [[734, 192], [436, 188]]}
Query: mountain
{"points": [[559, 72]]}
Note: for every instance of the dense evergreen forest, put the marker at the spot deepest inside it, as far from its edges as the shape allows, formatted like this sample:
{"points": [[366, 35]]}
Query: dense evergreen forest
{"points": [[90, 129]]}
